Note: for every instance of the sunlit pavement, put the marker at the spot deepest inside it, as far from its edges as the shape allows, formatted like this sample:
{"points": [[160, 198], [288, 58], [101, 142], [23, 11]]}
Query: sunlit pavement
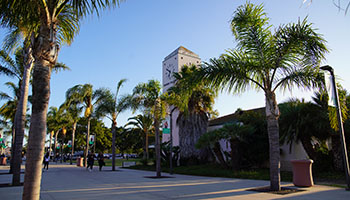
{"points": [[71, 182]]}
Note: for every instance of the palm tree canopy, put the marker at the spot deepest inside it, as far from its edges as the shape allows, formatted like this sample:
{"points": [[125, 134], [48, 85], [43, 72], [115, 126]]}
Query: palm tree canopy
{"points": [[145, 97], [189, 96], [142, 122], [265, 60], [8, 109], [12, 67], [82, 95], [110, 106]]}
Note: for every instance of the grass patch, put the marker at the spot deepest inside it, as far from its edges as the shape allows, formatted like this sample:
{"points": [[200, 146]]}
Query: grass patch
{"points": [[217, 171], [118, 162]]}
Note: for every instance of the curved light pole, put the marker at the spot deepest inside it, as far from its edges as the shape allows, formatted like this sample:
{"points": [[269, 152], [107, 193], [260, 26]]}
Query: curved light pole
{"points": [[340, 123]]}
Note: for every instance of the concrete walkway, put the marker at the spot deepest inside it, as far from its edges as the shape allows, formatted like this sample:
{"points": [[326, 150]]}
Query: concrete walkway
{"points": [[70, 182]]}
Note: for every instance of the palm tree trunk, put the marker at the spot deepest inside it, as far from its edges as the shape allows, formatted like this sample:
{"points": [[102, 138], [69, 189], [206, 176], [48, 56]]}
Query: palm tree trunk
{"points": [[37, 132], [114, 130], [73, 138], [87, 142], [272, 115], [20, 118], [157, 141], [45, 55]]}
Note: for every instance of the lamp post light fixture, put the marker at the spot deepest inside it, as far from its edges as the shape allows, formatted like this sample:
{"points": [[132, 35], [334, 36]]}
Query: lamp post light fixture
{"points": [[340, 123], [171, 140]]}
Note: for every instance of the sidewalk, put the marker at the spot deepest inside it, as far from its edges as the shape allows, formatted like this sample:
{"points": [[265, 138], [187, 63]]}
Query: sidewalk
{"points": [[71, 182]]}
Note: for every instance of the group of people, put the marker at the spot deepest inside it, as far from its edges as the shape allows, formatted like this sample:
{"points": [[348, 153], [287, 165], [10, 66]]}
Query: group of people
{"points": [[90, 161]]}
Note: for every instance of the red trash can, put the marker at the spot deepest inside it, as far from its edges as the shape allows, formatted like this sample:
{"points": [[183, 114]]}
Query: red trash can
{"points": [[3, 161], [79, 162], [302, 173]]}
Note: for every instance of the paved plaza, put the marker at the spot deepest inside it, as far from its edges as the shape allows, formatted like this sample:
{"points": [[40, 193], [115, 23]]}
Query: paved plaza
{"points": [[66, 182]]}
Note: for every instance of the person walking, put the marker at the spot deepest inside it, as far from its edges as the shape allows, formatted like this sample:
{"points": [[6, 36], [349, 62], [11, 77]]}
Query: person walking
{"points": [[46, 161], [101, 161], [90, 162]]}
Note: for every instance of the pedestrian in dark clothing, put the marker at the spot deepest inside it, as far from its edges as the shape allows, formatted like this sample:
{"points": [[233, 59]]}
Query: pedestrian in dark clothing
{"points": [[90, 162], [101, 161], [46, 161]]}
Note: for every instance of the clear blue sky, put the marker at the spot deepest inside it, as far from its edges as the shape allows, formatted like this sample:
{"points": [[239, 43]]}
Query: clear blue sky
{"points": [[131, 42]]}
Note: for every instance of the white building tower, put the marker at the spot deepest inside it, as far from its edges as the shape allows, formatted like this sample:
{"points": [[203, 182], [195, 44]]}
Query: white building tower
{"points": [[173, 63]]}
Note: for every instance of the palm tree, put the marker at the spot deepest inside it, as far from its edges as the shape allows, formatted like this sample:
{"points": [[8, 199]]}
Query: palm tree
{"points": [[268, 61], [8, 109], [73, 112], [148, 98], [85, 96], [144, 124], [20, 68], [194, 101], [49, 15], [111, 107], [57, 120]]}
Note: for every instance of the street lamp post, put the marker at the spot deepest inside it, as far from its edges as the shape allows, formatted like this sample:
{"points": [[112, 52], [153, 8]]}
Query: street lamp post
{"points": [[340, 123], [171, 140]]}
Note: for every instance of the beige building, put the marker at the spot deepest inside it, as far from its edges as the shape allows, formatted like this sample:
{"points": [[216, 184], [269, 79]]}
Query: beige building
{"points": [[171, 64]]}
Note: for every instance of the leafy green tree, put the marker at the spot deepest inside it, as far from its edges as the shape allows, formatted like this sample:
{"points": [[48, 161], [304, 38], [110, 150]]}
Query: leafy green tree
{"points": [[110, 107], [268, 61], [128, 140], [103, 135], [194, 100]]}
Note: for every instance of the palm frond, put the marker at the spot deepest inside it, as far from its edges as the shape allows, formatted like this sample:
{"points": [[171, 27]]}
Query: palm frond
{"points": [[305, 77], [60, 67]]}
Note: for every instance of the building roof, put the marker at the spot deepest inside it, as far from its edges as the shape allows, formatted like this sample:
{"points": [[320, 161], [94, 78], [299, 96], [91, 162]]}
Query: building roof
{"points": [[181, 50], [230, 118]]}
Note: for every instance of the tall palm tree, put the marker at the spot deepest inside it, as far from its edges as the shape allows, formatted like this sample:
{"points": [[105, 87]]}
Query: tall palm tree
{"points": [[148, 98], [194, 101], [268, 61], [48, 14], [73, 111], [57, 120], [144, 123], [20, 68], [8, 109], [84, 96], [110, 107]]}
